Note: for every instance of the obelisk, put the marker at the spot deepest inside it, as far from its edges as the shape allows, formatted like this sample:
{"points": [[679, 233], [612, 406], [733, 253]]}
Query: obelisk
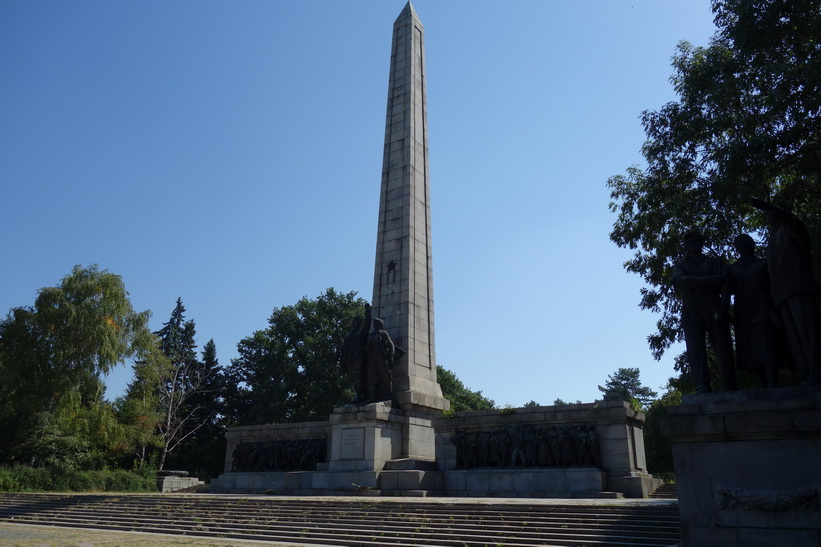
{"points": [[403, 274]]}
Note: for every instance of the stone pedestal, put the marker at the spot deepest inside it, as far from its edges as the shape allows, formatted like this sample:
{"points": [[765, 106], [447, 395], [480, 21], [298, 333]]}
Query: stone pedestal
{"points": [[377, 446], [748, 466], [364, 437]]}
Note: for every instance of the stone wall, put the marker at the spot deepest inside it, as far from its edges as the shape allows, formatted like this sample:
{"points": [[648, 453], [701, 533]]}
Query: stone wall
{"points": [[590, 447], [271, 432]]}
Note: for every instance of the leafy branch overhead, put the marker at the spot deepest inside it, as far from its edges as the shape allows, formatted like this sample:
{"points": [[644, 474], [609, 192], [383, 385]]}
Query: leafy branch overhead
{"points": [[746, 124]]}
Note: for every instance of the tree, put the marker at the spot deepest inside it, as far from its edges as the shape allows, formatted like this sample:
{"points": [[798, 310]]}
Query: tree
{"points": [[657, 448], [625, 385], [181, 384], [747, 124], [52, 357], [290, 372], [460, 397], [208, 397], [203, 452], [139, 410], [559, 402]]}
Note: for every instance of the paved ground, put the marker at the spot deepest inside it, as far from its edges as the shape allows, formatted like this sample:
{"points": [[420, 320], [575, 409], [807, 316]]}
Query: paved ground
{"points": [[24, 535]]}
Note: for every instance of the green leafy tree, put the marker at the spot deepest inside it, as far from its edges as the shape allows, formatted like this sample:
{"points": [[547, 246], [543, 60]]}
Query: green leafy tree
{"points": [[290, 371], [657, 448], [460, 397], [52, 358], [559, 402], [625, 385], [747, 124], [139, 410]]}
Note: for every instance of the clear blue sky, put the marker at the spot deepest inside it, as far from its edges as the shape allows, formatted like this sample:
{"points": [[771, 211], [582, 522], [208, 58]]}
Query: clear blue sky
{"points": [[229, 153]]}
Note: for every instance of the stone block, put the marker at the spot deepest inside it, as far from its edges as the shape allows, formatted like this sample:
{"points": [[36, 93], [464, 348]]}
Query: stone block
{"points": [[455, 481], [320, 480], [760, 484], [493, 481], [807, 422], [702, 427], [389, 481], [639, 485], [353, 480], [584, 480], [410, 480], [775, 537], [757, 424], [242, 480]]}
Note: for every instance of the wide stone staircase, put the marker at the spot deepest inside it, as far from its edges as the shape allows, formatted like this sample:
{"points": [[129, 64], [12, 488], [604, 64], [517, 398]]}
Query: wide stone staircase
{"points": [[347, 521]]}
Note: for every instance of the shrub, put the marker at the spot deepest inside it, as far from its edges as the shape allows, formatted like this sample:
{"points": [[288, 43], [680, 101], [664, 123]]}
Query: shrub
{"points": [[22, 478]]}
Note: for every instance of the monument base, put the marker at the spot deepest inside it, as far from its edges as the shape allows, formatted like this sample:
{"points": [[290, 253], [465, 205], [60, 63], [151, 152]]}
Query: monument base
{"points": [[375, 447], [364, 437], [513, 482], [367, 437], [549, 451], [585, 450], [747, 466]]}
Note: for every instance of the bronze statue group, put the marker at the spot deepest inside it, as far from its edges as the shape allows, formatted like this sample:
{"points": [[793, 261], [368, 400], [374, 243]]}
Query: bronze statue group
{"points": [[774, 312], [367, 359]]}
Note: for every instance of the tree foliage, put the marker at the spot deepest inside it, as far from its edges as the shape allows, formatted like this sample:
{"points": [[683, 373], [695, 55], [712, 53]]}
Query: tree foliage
{"points": [[203, 452], [559, 402], [290, 371], [657, 448], [183, 384], [747, 124], [460, 397], [625, 385], [139, 409], [52, 357]]}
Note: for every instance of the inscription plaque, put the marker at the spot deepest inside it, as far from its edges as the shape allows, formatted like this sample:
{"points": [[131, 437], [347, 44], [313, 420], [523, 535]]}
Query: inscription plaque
{"points": [[353, 443]]}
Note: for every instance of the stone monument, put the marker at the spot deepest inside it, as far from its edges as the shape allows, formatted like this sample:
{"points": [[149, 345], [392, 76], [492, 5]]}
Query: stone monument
{"points": [[746, 462], [393, 438], [403, 273], [370, 436]]}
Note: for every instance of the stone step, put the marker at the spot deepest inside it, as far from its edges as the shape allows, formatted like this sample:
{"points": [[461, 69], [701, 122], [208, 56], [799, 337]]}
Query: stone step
{"points": [[352, 522], [150, 513], [667, 491], [546, 494], [286, 505]]}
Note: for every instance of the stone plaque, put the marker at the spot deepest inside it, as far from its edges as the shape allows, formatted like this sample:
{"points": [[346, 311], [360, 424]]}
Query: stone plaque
{"points": [[353, 443]]}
